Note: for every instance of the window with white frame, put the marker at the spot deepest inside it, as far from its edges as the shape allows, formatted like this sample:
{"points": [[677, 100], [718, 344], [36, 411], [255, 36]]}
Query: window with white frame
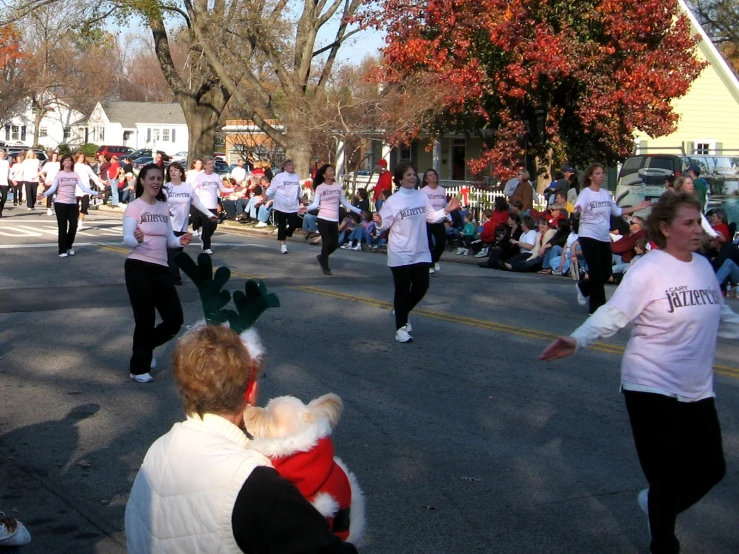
{"points": [[67, 133], [43, 132], [704, 147], [101, 133], [15, 132], [155, 134], [165, 135]]}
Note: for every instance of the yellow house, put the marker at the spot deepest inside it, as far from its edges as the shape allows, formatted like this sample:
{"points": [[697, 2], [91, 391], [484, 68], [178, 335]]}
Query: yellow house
{"points": [[709, 112]]}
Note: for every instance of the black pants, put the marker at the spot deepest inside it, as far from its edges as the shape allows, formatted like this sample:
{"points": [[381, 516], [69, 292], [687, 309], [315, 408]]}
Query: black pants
{"points": [[437, 240], [411, 284], [287, 222], [84, 203], [150, 288], [174, 269], [31, 192], [600, 260], [18, 194], [329, 231], [680, 452], [524, 262], [66, 220], [3, 197], [207, 225]]}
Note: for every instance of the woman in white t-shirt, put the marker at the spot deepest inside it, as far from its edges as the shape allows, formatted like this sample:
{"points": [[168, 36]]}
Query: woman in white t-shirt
{"points": [[285, 191], [594, 207], [196, 168], [207, 186], [675, 302], [47, 174], [436, 231], [147, 230], [405, 215], [30, 178], [83, 169]]}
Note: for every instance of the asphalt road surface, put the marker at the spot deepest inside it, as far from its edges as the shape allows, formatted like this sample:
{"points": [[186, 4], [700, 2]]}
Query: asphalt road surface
{"points": [[463, 441]]}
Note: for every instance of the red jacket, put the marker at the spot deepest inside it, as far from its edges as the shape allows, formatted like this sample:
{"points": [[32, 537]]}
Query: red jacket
{"points": [[625, 246], [384, 182]]}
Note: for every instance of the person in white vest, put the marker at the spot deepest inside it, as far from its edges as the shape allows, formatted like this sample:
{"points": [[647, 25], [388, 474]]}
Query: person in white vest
{"points": [[201, 488]]}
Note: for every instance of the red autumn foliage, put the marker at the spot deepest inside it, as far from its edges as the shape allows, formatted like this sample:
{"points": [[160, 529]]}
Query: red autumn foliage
{"points": [[571, 80]]}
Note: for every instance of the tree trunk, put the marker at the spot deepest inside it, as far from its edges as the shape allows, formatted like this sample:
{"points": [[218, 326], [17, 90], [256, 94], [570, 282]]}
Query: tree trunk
{"points": [[543, 171], [202, 114], [299, 151]]}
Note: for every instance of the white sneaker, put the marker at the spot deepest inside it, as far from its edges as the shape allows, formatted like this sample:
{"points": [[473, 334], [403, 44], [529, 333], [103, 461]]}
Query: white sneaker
{"points": [[260, 225], [643, 500], [70, 251], [437, 267], [63, 255], [29, 209], [208, 251], [357, 247], [466, 252], [196, 232], [580, 298], [49, 212], [153, 364], [482, 253], [346, 246], [283, 249], [408, 326], [459, 251], [431, 271], [402, 335], [19, 537], [81, 226], [143, 378]]}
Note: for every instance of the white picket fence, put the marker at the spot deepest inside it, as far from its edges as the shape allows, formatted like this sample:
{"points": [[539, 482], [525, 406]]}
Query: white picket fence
{"points": [[480, 198]]}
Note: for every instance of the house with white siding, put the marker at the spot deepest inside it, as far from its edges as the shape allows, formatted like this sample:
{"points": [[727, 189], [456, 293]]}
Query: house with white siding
{"points": [[153, 125], [60, 124]]}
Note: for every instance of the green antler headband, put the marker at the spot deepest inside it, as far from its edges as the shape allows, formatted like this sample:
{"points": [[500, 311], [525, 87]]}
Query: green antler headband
{"points": [[249, 304]]}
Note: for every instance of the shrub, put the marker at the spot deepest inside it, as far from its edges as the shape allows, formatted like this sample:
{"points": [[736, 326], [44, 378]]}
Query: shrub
{"points": [[88, 149]]}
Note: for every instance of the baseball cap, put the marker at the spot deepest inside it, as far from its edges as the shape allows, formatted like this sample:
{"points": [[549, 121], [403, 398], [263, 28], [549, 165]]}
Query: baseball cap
{"points": [[695, 169], [382, 163], [568, 169]]}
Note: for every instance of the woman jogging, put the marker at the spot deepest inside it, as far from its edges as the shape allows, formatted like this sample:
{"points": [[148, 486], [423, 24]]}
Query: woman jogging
{"points": [[285, 190], [16, 178], [147, 230], [436, 231], [405, 215], [47, 174], [87, 175], [4, 183], [595, 206], [206, 185], [30, 178], [65, 185], [181, 198], [328, 196], [673, 297]]}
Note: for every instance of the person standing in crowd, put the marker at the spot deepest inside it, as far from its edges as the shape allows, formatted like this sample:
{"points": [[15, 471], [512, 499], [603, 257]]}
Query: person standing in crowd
{"points": [[384, 182], [102, 172], [127, 164], [327, 198], [87, 175], [524, 191], [65, 184], [181, 198], [47, 174], [234, 499], [147, 230], [285, 190], [436, 231], [594, 207], [113, 179], [30, 167], [405, 215], [159, 160], [196, 168], [701, 187], [4, 182], [207, 185], [16, 177], [675, 302]]}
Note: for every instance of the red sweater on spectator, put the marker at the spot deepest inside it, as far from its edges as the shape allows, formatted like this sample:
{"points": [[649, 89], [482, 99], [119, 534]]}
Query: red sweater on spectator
{"points": [[625, 246], [723, 229], [384, 182]]}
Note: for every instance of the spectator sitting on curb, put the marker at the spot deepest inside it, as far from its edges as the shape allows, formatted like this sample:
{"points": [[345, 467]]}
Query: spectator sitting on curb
{"points": [[469, 234], [624, 247]]}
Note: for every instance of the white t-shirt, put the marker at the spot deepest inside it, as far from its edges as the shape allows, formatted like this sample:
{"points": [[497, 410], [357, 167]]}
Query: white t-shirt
{"points": [[529, 237], [676, 308], [436, 196], [238, 174], [4, 172], [571, 238], [207, 187], [285, 189], [191, 174], [406, 213], [179, 199], [50, 169], [30, 169], [595, 215]]}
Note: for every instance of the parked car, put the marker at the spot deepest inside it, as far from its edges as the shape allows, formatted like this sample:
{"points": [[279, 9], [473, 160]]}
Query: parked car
{"points": [[13, 151], [141, 161], [119, 151], [147, 152], [180, 157], [642, 177]]}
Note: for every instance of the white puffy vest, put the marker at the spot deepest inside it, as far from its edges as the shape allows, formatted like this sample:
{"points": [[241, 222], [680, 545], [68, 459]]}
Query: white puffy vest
{"points": [[184, 494]]}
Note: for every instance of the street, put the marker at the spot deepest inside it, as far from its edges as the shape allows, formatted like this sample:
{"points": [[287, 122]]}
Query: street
{"points": [[462, 441]]}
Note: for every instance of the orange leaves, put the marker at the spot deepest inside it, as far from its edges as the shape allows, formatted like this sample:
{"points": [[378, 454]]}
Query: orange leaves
{"points": [[9, 46]]}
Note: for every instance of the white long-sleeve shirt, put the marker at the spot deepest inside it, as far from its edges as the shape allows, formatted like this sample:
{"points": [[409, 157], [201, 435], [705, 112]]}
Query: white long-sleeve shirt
{"points": [[207, 187], [86, 175], [437, 196], [16, 172], [49, 170], [405, 214], [285, 190], [327, 198], [4, 172], [30, 169], [180, 198], [678, 311], [596, 208]]}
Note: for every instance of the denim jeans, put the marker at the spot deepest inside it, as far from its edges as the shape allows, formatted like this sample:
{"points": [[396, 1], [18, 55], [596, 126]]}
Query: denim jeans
{"points": [[264, 213], [359, 234], [728, 269], [310, 223], [114, 191]]}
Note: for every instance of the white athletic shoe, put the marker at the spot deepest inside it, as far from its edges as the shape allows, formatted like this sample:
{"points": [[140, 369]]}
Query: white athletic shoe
{"points": [[283, 249], [208, 251], [196, 232], [643, 500], [70, 251], [482, 253], [459, 251], [49, 212], [347, 246], [437, 267], [81, 226], [143, 378], [580, 298], [260, 225], [29, 209], [63, 255], [466, 252], [357, 247], [402, 335], [431, 271]]}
